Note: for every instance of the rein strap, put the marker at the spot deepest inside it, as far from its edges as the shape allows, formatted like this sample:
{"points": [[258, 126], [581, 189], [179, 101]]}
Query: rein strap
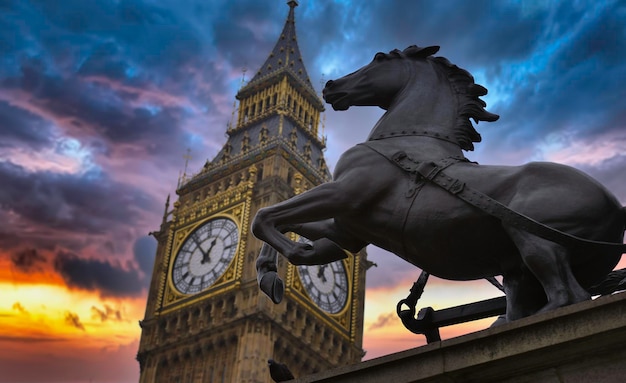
{"points": [[433, 172]]}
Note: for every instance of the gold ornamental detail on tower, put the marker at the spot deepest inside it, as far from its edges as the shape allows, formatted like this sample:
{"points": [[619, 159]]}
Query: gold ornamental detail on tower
{"points": [[231, 190]]}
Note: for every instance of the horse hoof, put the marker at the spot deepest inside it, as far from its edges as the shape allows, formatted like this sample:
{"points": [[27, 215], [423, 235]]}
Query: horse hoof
{"points": [[272, 286]]}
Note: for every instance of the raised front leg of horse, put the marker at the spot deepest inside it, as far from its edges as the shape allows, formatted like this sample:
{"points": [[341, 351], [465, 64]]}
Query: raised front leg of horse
{"points": [[352, 190], [315, 213], [326, 229], [269, 223], [317, 204]]}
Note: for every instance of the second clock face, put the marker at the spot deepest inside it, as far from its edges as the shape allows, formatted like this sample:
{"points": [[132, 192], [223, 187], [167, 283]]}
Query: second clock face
{"points": [[205, 255], [326, 285]]}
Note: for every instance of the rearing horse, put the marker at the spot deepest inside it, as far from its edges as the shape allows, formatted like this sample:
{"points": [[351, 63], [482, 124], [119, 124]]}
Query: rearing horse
{"points": [[375, 199]]}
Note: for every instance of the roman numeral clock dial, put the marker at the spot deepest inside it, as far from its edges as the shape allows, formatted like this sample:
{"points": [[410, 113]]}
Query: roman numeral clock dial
{"points": [[205, 255], [326, 285]]}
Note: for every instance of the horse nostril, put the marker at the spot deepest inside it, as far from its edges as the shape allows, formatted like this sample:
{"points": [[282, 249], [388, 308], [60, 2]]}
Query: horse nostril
{"points": [[329, 83]]}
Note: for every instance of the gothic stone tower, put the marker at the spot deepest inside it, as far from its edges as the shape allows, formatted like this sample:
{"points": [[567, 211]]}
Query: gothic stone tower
{"points": [[205, 319]]}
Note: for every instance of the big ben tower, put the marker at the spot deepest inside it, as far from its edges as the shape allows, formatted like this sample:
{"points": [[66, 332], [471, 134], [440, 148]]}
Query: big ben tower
{"points": [[206, 320]]}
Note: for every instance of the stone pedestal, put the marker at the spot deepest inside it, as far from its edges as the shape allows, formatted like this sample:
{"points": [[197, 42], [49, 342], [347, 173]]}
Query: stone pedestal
{"points": [[585, 342]]}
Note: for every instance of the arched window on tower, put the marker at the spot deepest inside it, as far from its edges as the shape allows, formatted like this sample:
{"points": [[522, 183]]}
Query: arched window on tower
{"points": [[321, 164], [307, 151], [259, 173], [293, 138], [263, 134], [245, 142]]}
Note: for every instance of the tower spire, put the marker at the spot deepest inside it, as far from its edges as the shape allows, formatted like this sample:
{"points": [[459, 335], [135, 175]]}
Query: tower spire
{"points": [[278, 104], [286, 54]]}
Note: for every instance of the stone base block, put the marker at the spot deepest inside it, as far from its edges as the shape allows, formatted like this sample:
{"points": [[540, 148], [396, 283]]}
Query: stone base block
{"points": [[585, 342]]}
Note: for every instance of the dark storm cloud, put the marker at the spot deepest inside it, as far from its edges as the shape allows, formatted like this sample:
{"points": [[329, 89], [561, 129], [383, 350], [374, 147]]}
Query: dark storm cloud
{"points": [[144, 251], [95, 107], [610, 173], [566, 85], [476, 34], [236, 34], [88, 203], [72, 319], [101, 34], [19, 127], [382, 321], [107, 313], [97, 275], [28, 260], [88, 64]]}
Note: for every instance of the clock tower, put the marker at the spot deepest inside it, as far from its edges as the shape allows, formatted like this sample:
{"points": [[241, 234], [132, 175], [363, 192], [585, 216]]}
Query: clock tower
{"points": [[205, 319]]}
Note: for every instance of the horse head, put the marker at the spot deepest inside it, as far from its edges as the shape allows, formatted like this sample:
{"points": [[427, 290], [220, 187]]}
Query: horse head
{"points": [[418, 91], [376, 84]]}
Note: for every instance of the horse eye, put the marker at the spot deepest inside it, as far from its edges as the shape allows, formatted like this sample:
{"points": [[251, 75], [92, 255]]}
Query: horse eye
{"points": [[379, 56]]}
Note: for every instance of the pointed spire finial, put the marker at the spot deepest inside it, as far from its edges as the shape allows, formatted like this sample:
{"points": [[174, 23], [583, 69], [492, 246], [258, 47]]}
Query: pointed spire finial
{"points": [[187, 157], [292, 3], [167, 207]]}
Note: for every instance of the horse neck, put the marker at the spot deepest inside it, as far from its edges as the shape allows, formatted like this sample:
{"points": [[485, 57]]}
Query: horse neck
{"points": [[432, 121]]}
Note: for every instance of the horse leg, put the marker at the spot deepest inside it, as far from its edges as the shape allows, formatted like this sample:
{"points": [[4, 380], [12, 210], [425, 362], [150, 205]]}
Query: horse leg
{"points": [[549, 263], [267, 274], [267, 266], [317, 204], [524, 295], [326, 229]]}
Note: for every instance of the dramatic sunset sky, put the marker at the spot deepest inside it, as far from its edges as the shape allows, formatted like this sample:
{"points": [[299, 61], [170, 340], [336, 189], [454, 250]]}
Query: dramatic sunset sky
{"points": [[100, 99]]}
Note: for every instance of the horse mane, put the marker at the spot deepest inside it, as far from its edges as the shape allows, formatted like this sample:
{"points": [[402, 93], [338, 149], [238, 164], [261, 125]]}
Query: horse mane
{"points": [[469, 104]]}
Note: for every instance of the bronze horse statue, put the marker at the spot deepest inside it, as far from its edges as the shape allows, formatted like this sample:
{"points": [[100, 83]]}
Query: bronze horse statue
{"points": [[408, 189]]}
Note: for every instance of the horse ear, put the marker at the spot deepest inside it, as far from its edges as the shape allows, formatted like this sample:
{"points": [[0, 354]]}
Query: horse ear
{"points": [[429, 51], [418, 52]]}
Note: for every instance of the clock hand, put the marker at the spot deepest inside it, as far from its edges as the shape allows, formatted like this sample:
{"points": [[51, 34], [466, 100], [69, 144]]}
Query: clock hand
{"points": [[320, 273], [205, 255]]}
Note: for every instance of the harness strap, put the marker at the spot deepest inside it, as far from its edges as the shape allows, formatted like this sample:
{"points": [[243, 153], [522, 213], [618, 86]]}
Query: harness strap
{"points": [[433, 172], [405, 133]]}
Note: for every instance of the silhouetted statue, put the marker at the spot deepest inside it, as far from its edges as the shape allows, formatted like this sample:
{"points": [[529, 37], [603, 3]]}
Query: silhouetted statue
{"points": [[548, 229]]}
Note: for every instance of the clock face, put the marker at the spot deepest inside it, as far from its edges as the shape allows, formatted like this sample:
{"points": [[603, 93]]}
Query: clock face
{"points": [[326, 285], [205, 255]]}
